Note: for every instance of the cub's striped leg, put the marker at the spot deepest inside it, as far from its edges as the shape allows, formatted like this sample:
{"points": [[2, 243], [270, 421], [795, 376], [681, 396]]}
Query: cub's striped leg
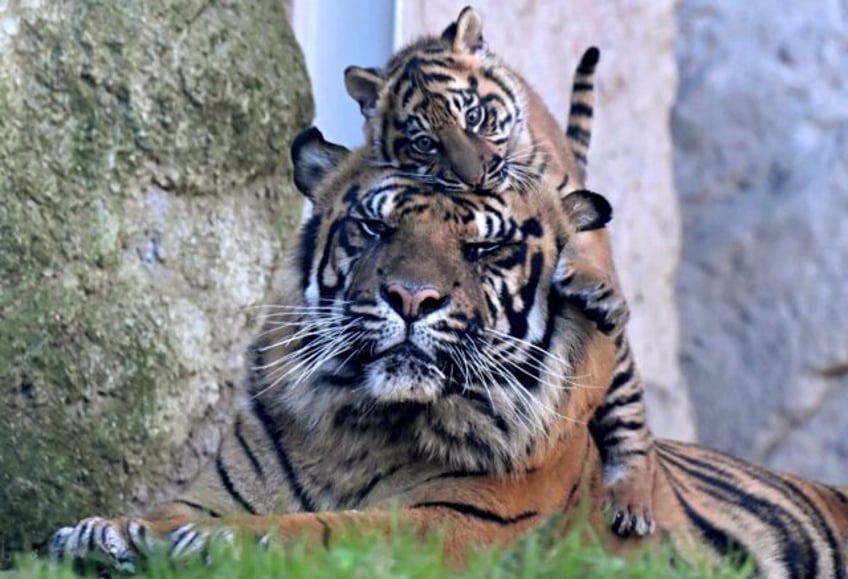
{"points": [[621, 432], [619, 426]]}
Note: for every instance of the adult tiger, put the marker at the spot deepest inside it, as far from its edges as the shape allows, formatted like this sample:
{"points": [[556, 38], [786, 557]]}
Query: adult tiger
{"points": [[450, 110], [422, 359]]}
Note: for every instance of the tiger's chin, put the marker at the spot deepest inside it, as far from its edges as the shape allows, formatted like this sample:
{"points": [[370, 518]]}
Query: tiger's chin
{"points": [[402, 378]]}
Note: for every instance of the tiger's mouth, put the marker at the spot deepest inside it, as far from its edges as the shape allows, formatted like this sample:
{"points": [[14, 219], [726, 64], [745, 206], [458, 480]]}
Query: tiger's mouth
{"points": [[403, 373]]}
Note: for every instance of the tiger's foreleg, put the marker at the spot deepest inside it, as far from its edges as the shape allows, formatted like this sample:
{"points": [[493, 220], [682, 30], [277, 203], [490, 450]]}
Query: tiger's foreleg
{"points": [[121, 543]]}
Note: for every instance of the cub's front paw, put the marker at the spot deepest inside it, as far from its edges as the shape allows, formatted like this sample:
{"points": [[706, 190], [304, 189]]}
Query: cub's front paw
{"points": [[631, 509]]}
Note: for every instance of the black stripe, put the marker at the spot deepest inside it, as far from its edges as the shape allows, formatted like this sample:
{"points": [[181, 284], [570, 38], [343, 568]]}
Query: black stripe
{"points": [[306, 252], [489, 73], [326, 533], [476, 512], [598, 315], [582, 86], [257, 467], [579, 480], [460, 474], [620, 454], [579, 134], [230, 488], [299, 493], [198, 507], [580, 110], [619, 424], [621, 378], [581, 158], [363, 492], [610, 405]]}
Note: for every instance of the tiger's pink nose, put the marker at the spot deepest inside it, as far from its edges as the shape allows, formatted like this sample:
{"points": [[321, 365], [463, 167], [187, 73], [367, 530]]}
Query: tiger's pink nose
{"points": [[413, 301]]}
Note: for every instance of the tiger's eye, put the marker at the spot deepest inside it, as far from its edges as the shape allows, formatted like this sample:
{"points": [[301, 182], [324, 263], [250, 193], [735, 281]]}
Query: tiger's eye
{"points": [[374, 228], [424, 145], [473, 117]]}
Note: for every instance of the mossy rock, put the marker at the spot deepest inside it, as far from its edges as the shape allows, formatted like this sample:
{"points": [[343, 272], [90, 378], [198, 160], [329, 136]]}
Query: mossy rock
{"points": [[144, 201]]}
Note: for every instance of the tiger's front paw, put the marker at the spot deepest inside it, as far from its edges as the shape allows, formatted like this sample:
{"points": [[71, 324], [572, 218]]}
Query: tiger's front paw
{"points": [[631, 508], [98, 541], [121, 544]]}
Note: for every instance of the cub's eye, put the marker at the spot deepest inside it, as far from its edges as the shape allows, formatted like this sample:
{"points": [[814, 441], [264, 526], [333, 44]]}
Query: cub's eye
{"points": [[475, 251], [374, 228], [424, 145], [474, 117]]}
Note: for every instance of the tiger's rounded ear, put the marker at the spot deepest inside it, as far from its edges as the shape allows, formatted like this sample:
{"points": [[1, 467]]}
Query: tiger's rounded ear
{"points": [[312, 157], [466, 34], [587, 210], [363, 84]]}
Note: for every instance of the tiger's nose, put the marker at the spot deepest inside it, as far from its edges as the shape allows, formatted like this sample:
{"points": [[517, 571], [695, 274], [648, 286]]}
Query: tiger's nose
{"points": [[413, 301]]}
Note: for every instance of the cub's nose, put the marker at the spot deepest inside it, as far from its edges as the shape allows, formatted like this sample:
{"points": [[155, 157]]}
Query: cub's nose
{"points": [[413, 301]]}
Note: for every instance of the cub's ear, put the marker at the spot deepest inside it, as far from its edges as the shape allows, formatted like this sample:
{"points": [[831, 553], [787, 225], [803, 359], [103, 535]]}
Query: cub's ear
{"points": [[466, 34], [363, 85], [312, 157], [587, 210]]}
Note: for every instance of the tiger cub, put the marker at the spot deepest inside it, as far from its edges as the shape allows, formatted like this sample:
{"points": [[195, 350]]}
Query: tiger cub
{"points": [[451, 112], [448, 109]]}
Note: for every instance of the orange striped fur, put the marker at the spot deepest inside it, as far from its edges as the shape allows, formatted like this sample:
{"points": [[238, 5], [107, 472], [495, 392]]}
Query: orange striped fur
{"points": [[481, 442]]}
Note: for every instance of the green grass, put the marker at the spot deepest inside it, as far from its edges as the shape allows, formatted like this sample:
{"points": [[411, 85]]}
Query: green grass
{"points": [[402, 556]]}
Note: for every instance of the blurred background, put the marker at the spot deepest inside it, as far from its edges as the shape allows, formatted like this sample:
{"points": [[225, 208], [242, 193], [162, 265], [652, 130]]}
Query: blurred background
{"points": [[145, 199]]}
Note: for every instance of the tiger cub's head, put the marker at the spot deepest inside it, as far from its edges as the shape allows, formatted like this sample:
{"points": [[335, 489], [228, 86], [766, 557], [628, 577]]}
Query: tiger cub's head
{"points": [[447, 108], [439, 303]]}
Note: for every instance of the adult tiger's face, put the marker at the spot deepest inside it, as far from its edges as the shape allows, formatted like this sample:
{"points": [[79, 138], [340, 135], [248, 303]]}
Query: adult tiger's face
{"points": [[429, 314], [446, 108], [430, 293]]}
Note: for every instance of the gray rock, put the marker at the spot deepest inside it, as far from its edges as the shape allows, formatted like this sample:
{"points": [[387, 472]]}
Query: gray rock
{"points": [[761, 145], [144, 197]]}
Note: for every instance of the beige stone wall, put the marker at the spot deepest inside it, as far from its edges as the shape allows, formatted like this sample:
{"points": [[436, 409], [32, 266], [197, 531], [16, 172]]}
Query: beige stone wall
{"points": [[630, 158]]}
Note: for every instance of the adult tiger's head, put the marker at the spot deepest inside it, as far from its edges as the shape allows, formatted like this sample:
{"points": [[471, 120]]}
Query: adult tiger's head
{"points": [[448, 108], [431, 307]]}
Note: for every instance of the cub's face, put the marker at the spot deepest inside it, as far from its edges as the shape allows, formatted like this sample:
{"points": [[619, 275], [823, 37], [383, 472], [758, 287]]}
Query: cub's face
{"points": [[447, 109], [428, 293]]}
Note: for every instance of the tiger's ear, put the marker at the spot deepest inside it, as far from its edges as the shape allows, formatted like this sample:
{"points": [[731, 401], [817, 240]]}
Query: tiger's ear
{"points": [[587, 210], [363, 84], [312, 157], [466, 34]]}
